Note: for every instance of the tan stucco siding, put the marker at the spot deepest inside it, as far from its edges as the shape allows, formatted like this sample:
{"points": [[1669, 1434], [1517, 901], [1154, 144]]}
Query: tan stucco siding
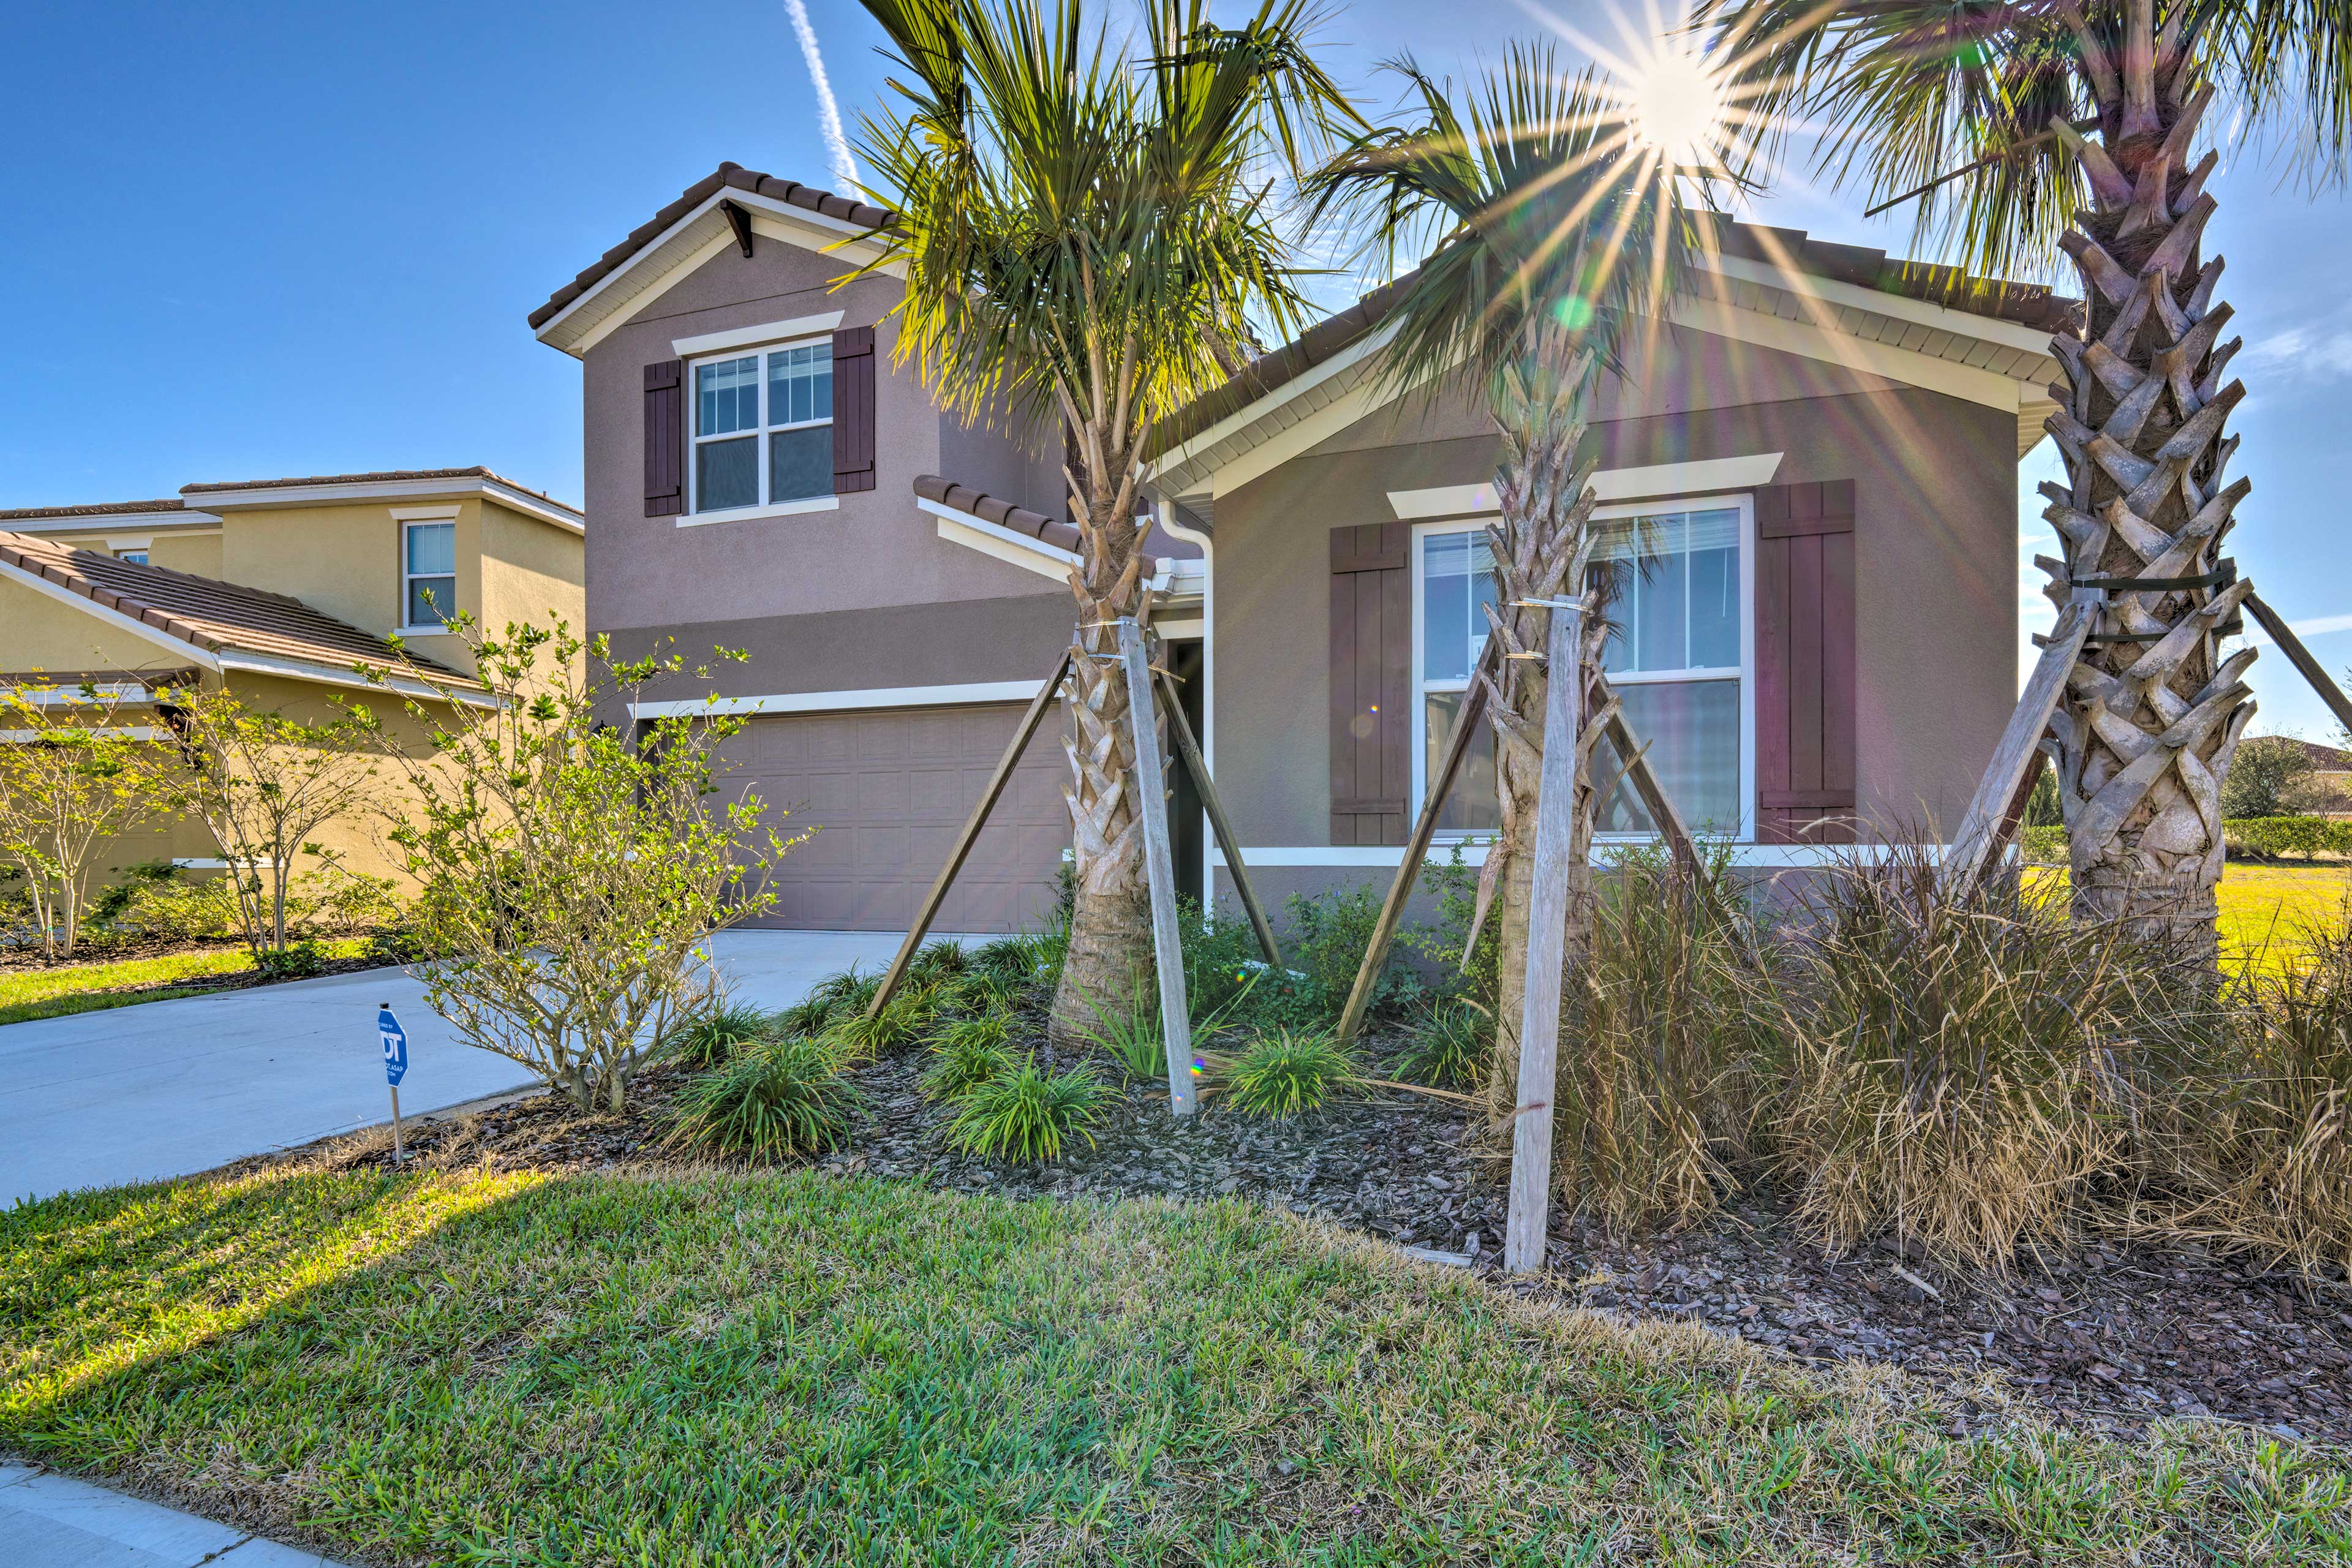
{"points": [[46, 633], [532, 571], [198, 553]]}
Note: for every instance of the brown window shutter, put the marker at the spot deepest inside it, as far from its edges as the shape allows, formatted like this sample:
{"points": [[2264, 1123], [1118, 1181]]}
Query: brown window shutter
{"points": [[1804, 664], [853, 410], [1372, 683], [665, 438]]}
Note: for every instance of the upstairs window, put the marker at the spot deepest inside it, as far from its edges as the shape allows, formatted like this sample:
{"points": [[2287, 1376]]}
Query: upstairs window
{"points": [[428, 574], [763, 427]]}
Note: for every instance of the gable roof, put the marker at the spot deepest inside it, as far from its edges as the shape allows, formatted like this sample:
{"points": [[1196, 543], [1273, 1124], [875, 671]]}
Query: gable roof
{"points": [[1783, 249], [213, 617], [101, 509], [727, 176]]}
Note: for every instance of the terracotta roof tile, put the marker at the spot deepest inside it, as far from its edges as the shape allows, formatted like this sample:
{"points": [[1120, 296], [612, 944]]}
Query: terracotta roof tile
{"points": [[101, 509], [210, 614], [998, 510], [728, 176], [382, 476]]}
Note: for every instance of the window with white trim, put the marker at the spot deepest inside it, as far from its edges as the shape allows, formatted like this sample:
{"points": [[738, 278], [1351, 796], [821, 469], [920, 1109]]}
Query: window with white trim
{"points": [[763, 427], [428, 574], [1677, 654], [135, 554]]}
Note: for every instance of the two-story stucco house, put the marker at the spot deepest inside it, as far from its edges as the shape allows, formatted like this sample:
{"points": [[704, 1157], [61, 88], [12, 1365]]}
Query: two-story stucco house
{"points": [[1824, 634], [278, 588]]}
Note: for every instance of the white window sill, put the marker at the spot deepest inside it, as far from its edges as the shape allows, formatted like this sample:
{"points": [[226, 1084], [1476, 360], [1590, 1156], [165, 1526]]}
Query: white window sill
{"points": [[747, 513], [435, 631]]}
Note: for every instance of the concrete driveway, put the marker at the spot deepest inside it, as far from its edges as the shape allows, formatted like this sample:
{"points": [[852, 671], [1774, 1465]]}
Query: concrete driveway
{"points": [[168, 1089]]}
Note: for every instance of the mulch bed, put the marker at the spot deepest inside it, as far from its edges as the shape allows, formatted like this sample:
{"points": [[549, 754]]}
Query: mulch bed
{"points": [[2109, 1336]]}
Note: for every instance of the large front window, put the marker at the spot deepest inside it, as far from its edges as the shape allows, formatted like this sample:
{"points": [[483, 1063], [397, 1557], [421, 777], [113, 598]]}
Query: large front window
{"points": [[764, 427], [1675, 594]]}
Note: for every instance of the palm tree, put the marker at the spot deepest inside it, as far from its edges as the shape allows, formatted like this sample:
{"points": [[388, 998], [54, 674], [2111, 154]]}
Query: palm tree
{"points": [[2074, 124], [1554, 231], [1085, 243]]}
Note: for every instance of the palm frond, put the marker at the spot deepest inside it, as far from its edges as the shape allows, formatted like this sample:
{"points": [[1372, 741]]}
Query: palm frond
{"points": [[1537, 206]]}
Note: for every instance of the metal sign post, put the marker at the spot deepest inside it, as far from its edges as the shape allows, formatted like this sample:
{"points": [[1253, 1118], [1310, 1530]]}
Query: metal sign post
{"points": [[395, 1066]]}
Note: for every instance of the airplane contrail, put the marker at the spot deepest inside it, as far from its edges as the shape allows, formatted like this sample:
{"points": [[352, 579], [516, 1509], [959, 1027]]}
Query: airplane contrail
{"points": [[828, 113]]}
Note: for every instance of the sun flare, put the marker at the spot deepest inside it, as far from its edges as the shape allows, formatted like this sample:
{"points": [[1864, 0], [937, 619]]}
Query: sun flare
{"points": [[1677, 106]]}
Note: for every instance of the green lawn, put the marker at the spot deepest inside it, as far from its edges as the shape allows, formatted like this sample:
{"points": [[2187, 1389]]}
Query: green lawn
{"points": [[2267, 909], [755, 1370], [27, 993]]}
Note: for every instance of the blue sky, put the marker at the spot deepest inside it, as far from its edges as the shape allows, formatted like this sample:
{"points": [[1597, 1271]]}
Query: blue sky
{"points": [[248, 240]]}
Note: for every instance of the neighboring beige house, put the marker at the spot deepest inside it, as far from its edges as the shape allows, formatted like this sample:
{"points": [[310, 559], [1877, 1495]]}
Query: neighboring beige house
{"points": [[278, 588]]}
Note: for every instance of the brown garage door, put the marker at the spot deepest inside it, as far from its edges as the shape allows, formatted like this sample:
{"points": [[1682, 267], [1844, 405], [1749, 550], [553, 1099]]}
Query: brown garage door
{"points": [[886, 791]]}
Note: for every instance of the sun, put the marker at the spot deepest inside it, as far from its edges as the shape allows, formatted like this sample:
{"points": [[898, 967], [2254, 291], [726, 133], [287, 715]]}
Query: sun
{"points": [[1677, 107]]}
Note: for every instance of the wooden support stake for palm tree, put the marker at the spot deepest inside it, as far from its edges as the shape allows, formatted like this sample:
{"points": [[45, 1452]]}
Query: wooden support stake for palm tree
{"points": [[1554, 884], [1424, 830], [1159, 866], [1982, 831], [1189, 749], [1638, 773], [2299, 657], [970, 834]]}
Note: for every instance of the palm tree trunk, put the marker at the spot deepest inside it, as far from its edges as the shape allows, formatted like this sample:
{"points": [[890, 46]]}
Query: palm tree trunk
{"points": [[2152, 713], [1542, 548], [1108, 965]]}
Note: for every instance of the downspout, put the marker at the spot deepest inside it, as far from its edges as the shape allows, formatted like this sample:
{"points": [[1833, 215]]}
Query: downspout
{"points": [[1164, 513]]}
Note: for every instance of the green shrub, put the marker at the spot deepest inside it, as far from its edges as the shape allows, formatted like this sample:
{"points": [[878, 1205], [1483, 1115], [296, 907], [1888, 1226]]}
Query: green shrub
{"points": [[1455, 884], [1329, 934], [158, 902], [771, 1099], [1131, 1033], [937, 960], [2042, 846], [1283, 1074], [295, 961], [859, 1036], [966, 1053], [1023, 1114], [1448, 1046], [717, 1035], [2274, 838]]}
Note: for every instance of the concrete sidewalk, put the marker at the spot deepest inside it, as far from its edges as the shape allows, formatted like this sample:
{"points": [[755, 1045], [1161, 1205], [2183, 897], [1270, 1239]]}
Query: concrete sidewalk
{"points": [[49, 1521], [169, 1088]]}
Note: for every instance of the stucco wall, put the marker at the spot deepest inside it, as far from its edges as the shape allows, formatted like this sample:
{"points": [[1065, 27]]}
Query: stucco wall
{"points": [[1934, 551], [46, 634], [197, 554], [877, 549], [531, 571]]}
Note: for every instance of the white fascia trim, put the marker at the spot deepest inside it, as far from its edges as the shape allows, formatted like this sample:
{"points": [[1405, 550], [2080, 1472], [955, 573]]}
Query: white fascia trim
{"points": [[328, 675], [130, 541], [1809, 340], [1758, 857], [1830, 290], [1243, 418], [777, 220], [753, 513], [100, 522], [507, 496], [1700, 477], [744, 337], [1179, 625], [855, 700], [181, 648], [1002, 543], [120, 731]]}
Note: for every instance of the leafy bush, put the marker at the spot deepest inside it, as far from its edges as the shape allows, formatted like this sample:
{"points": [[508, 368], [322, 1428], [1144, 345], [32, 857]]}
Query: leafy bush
{"points": [[967, 1054], [773, 1098], [295, 961], [1329, 934], [2265, 778], [937, 960], [158, 902], [2042, 846], [2272, 837], [1283, 1074], [718, 1035], [1448, 1046], [1467, 972], [1023, 1114]]}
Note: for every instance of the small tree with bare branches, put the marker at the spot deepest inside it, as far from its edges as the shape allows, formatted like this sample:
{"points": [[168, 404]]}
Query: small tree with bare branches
{"points": [[73, 776], [573, 871]]}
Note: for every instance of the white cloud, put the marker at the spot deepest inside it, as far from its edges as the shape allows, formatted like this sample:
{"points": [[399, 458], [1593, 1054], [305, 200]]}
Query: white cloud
{"points": [[828, 112], [2316, 626], [2322, 352]]}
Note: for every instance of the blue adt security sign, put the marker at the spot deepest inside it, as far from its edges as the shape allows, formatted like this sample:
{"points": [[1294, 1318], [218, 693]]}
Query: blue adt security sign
{"points": [[395, 1046]]}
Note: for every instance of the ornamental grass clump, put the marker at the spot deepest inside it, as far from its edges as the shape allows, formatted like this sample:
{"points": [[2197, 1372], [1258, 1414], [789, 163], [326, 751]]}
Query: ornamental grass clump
{"points": [[1659, 1094], [770, 1099], [1959, 1070], [1023, 1114], [1283, 1074], [1448, 1046], [1130, 1035], [966, 1053], [718, 1035]]}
